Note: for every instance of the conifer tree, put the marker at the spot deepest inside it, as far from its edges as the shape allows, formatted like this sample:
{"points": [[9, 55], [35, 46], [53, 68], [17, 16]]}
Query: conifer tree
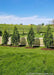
{"points": [[48, 37], [5, 37], [30, 37], [15, 37]]}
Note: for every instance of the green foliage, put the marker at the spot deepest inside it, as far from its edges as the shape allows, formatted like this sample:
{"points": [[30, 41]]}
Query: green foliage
{"points": [[52, 45], [30, 37], [42, 24], [48, 37], [0, 33], [15, 37], [5, 37], [21, 23], [22, 41], [36, 42]]}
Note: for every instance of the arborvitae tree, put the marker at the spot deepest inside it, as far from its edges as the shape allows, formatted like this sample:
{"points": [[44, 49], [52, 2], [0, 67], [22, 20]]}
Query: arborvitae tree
{"points": [[5, 37], [15, 39], [30, 37], [0, 33], [48, 37]]}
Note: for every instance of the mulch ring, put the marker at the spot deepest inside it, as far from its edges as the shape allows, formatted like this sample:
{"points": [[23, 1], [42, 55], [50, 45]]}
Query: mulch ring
{"points": [[8, 46], [31, 47], [47, 48]]}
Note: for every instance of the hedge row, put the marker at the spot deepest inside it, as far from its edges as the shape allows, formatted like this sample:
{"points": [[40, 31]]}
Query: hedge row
{"points": [[16, 41]]}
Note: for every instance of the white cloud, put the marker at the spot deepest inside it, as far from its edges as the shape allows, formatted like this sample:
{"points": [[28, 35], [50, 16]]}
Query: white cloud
{"points": [[11, 19]]}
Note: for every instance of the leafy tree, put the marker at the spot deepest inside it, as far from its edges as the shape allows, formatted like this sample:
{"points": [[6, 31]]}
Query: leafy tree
{"points": [[30, 37], [15, 37], [5, 37], [48, 37], [42, 24], [21, 23]]}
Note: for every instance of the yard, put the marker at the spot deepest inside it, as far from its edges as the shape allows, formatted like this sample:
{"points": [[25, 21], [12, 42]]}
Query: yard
{"points": [[22, 61]]}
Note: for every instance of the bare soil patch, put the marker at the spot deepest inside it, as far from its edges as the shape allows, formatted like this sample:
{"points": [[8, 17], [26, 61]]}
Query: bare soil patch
{"points": [[47, 48]]}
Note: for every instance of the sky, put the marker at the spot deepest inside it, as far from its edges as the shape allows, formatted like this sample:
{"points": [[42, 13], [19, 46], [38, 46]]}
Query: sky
{"points": [[26, 11]]}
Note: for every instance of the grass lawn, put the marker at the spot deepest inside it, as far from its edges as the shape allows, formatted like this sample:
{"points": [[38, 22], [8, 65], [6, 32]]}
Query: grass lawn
{"points": [[36, 35], [21, 61]]}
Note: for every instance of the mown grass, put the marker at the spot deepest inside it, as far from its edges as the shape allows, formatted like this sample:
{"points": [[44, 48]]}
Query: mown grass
{"points": [[20, 61]]}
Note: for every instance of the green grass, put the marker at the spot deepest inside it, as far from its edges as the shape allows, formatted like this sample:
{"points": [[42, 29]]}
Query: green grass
{"points": [[20, 61], [10, 27], [36, 35]]}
